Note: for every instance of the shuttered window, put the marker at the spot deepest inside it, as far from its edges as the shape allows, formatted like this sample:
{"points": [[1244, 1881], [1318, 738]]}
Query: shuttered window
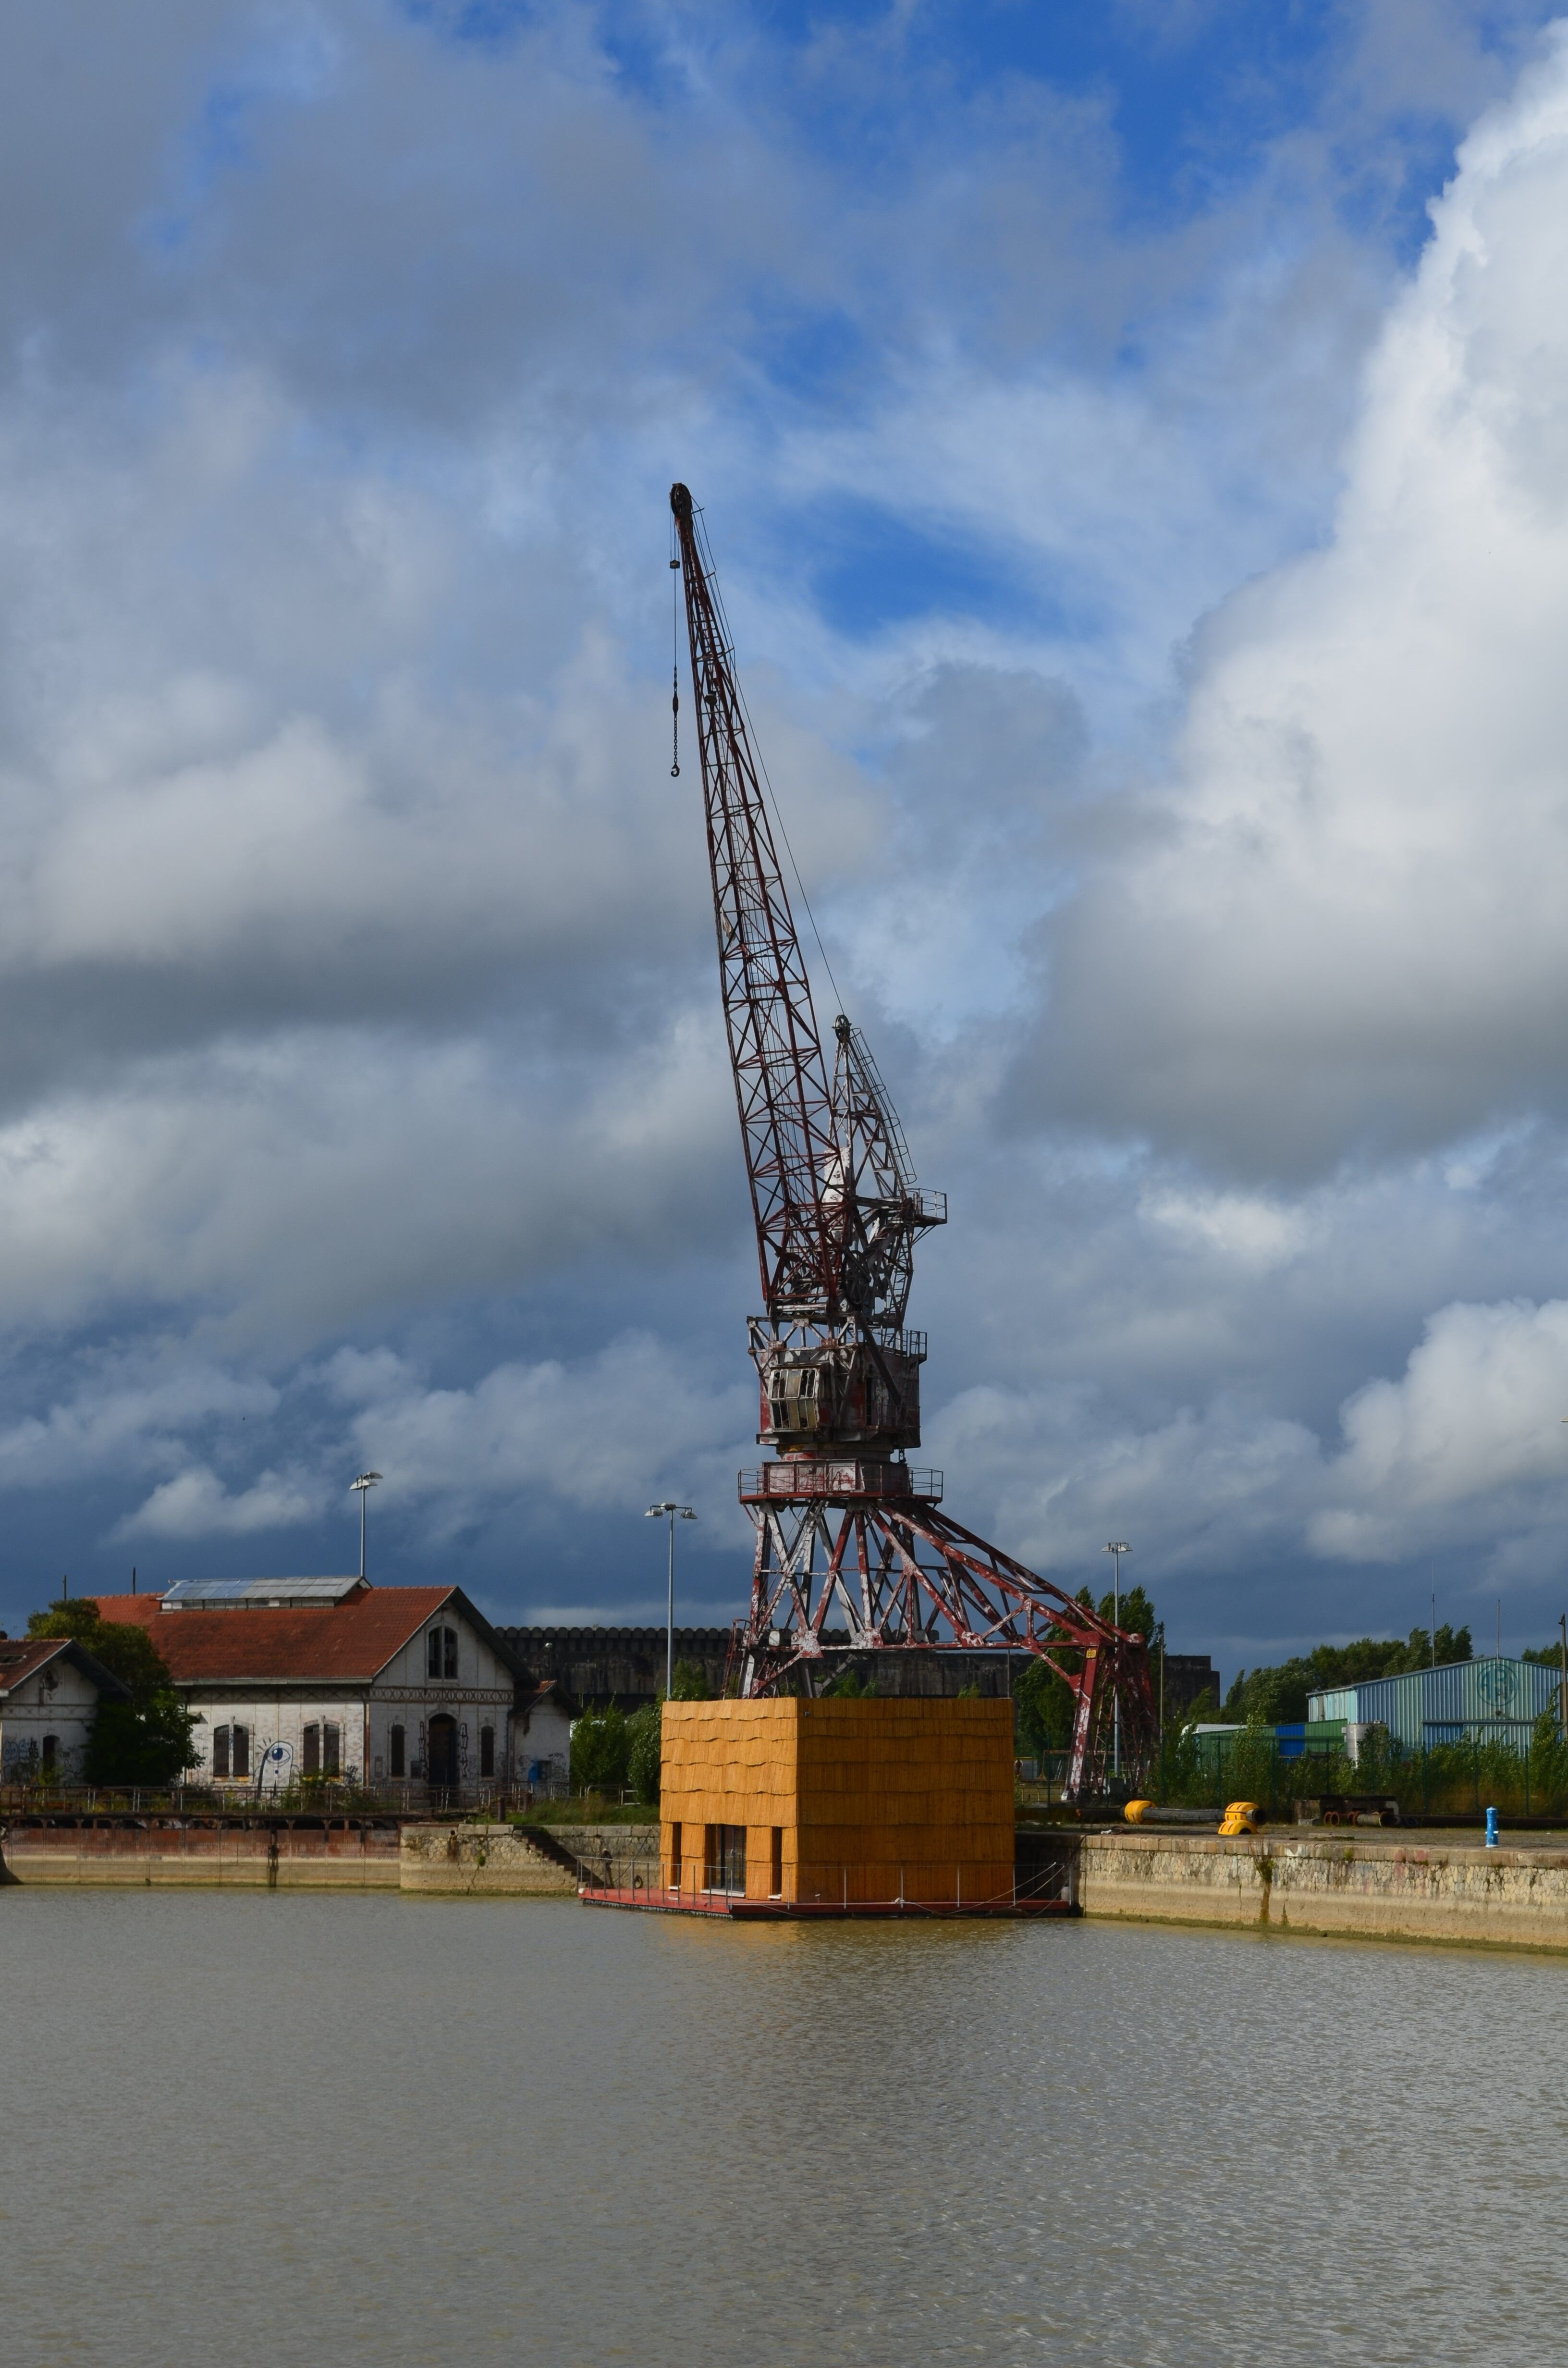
{"points": [[239, 1756], [312, 1750], [219, 1751], [332, 1750]]}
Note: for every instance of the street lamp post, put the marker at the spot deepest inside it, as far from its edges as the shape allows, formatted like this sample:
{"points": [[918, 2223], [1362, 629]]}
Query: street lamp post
{"points": [[1119, 1546], [364, 1485], [658, 1513]]}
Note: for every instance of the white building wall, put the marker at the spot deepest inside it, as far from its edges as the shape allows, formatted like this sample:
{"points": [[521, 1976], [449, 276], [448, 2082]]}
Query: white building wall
{"points": [[277, 1714], [65, 1709], [481, 1694], [545, 1744]]}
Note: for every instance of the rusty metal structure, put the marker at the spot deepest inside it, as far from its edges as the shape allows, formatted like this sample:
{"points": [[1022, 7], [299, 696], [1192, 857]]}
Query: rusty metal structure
{"points": [[848, 1532]]}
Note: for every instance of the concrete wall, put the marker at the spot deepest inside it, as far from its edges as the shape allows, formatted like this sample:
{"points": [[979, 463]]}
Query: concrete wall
{"points": [[1380, 1887], [473, 1859], [872, 1800], [252, 1858]]}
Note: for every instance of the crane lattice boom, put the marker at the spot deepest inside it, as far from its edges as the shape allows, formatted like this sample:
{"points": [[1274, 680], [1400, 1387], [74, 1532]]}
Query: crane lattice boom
{"points": [[844, 1526]]}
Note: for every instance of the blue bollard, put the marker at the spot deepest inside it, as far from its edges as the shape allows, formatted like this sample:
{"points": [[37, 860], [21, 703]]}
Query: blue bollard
{"points": [[1491, 1828]]}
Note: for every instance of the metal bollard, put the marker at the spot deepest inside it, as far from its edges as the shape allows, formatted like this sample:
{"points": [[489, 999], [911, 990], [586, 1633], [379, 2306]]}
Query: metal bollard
{"points": [[1491, 1828]]}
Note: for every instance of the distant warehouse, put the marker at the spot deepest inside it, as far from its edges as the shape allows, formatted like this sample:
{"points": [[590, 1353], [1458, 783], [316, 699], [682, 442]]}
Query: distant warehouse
{"points": [[1489, 1700]]}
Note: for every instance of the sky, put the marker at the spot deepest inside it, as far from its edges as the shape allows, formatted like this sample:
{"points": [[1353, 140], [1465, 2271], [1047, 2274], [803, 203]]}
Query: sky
{"points": [[1133, 442]]}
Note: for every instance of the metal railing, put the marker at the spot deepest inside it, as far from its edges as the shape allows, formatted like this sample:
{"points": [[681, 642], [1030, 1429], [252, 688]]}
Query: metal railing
{"points": [[798, 1477]]}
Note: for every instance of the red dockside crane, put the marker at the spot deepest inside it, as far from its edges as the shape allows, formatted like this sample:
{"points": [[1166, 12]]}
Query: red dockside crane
{"points": [[846, 1529]]}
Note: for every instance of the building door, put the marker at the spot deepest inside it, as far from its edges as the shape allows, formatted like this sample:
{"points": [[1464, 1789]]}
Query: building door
{"points": [[443, 1750]]}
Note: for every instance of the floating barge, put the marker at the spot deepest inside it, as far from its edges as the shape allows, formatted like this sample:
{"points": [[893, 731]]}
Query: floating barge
{"points": [[735, 1909]]}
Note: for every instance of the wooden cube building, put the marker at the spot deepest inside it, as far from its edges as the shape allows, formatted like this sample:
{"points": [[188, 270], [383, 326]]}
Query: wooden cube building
{"points": [[838, 1802]]}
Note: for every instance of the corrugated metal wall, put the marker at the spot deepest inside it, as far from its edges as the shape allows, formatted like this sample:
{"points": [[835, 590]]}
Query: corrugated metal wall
{"points": [[1441, 1705]]}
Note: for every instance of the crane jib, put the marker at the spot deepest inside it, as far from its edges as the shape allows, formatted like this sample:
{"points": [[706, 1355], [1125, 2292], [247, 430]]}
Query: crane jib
{"points": [[846, 1529]]}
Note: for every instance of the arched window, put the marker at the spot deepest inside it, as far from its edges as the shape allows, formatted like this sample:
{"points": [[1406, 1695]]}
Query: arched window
{"points": [[50, 1751], [395, 1747], [441, 1653]]}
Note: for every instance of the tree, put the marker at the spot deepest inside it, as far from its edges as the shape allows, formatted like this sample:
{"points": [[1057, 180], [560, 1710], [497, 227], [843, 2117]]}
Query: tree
{"points": [[600, 1750], [691, 1682], [1276, 1696], [644, 1731], [147, 1739]]}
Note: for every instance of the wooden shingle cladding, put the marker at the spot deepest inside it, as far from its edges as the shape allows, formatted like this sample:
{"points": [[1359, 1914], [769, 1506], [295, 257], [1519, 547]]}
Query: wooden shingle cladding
{"points": [[839, 1799]]}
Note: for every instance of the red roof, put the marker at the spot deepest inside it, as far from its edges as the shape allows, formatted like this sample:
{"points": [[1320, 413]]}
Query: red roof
{"points": [[22, 1657], [340, 1641]]}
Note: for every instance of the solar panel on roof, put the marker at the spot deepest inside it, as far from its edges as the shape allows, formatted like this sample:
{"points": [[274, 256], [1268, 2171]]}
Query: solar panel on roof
{"points": [[253, 1594]]}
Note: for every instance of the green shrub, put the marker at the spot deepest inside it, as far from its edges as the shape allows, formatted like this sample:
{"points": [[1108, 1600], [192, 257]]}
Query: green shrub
{"points": [[644, 1731], [601, 1747]]}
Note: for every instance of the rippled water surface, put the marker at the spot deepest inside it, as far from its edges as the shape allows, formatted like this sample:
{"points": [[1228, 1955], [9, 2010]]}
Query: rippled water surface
{"points": [[275, 2129]]}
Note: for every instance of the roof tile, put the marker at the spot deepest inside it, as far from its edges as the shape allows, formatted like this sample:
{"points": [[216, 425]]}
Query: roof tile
{"points": [[341, 1641]]}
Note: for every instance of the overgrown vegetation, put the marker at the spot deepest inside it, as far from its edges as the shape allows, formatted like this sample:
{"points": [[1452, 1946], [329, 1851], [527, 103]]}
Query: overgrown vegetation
{"points": [[611, 1751], [1451, 1779], [144, 1741]]}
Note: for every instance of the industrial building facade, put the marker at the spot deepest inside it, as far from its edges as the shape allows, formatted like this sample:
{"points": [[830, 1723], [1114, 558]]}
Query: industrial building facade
{"points": [[1492, 1699]]}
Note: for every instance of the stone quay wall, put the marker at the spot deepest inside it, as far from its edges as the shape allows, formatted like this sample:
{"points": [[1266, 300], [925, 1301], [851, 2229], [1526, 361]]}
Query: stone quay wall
{"points": [[1378, 1886]]}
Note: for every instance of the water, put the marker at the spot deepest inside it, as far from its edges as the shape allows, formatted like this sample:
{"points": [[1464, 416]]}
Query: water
{"points": [[296, 2130]]}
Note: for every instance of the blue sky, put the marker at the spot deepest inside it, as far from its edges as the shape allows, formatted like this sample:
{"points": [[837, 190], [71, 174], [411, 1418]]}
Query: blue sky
{"points": [[1131, 440]]}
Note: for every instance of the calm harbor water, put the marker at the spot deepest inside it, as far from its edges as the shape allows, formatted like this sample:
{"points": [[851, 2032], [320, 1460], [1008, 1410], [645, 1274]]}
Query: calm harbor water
{"points": [[290, 2129]]}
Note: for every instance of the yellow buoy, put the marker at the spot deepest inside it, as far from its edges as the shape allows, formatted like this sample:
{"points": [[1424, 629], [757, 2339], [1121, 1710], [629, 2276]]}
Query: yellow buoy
{"points": [[1241, 1817]]}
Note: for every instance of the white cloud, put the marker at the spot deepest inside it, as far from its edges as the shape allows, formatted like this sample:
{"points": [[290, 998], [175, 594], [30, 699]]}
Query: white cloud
{"points": [[1469, 1442], [608, 1432], [196, 1504], [1341, 934]]}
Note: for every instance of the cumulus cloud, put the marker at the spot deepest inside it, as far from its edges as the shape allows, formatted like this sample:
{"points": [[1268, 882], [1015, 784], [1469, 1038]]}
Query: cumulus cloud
{"points": [[1338, 935], [1468, 1441], [196, 1504], [362, 1089]]}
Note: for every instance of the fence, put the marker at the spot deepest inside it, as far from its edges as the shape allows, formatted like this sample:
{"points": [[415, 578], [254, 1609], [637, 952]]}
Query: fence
{"points": [[310, 1796], [1527, 1777]]}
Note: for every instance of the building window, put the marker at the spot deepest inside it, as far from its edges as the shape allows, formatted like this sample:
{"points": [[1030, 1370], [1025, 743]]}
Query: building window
{"points": [[776, 1865], [487, 1751], [675, 1856], [395, 1746], [230, 1751], [50, 1751], [441, 1653], [312, 1750], [332, 1750]]}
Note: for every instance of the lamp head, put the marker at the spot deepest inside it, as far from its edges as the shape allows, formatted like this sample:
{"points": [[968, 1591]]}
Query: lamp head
{"points": [[366, 1480]]}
